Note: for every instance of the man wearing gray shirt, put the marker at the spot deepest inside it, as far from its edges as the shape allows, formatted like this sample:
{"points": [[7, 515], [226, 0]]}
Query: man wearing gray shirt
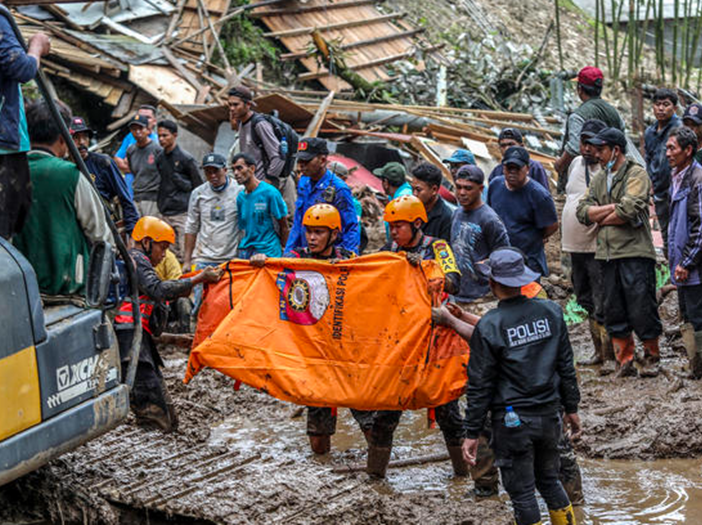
{"points": [[141, 157], [212, 221], [258, 139]]}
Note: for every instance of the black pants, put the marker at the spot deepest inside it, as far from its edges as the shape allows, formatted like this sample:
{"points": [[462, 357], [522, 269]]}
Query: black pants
{"points": [[15, 193], [630, 298], [527, 457], [321, 421], [690, 303], [148, 383], [662, 205], [587, 278]]}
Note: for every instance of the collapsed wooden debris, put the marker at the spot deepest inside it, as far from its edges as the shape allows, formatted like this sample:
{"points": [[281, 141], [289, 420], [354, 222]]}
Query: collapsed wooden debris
{"points": [[170, 63]]}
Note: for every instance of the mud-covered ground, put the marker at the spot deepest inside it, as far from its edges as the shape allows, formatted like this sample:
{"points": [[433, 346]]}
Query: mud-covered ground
{"points": [[242, 456]]}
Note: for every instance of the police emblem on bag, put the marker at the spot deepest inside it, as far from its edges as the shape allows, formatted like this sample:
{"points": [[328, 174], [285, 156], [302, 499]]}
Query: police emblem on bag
{"points": [[304, 296]]}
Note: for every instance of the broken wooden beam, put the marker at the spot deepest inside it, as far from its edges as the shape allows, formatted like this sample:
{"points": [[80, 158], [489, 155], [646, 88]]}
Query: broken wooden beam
{"points": [[365, 65], [431, 157], [313, 8], [340, 25], [408, 462], [187, 75], [316, 123], [356, 45]]}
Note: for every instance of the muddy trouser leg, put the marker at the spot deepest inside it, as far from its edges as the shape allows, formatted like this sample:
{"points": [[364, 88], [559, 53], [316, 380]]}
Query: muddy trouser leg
{"points": [[364, 418], [484, 473], [321, 421], [638, 279], [197, 290], [690, 304], [662, 206], [569, 473], [527, 457], [384, 424], [582, 283], [15, 193], [148, 383], [615, 307]]}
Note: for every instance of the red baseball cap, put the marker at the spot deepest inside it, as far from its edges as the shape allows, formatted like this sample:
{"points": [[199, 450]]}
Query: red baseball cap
{"points": [[590, 76]]}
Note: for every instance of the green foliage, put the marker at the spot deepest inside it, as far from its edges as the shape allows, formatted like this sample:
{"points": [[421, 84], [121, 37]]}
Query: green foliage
{"points": [[662, 275], [244, 43], [574, 313]]}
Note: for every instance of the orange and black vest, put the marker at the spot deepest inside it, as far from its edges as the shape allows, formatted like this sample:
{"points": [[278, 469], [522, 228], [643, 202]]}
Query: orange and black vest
{"points": [[125, 317]]}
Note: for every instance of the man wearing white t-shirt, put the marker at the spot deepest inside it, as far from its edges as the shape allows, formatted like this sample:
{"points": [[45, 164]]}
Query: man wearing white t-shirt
{"points": [[580, 242]]}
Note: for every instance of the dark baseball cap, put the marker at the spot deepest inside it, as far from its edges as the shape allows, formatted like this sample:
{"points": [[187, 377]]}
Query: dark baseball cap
{"points": [[139, 120], [242, 92], [78, 125], [309, 147], [214, 160], [511, 133], [610, 137], [471, 173], [516, 155], [693, 112], [394, 172], [506, 266], [591, 128]]}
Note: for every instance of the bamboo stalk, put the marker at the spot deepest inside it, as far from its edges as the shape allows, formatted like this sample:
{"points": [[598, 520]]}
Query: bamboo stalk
{"points": [[558, 35], [597, 33], [674, 64]]}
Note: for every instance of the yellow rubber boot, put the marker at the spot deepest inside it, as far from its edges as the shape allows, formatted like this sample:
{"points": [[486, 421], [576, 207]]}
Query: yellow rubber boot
{"points": [[563, 516]]}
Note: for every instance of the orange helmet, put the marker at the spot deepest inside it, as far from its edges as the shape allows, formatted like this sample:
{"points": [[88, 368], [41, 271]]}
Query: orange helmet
{"points": [[153, 228], [324, 215], [406, 208]]}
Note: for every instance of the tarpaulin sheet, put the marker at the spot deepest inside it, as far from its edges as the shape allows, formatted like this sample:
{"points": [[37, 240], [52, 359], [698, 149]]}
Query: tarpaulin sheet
{"points": [[357, 333]]}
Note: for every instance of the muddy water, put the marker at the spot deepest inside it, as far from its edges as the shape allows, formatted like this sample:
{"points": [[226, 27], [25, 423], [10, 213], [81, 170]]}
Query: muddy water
{"points": [[616, 492]]}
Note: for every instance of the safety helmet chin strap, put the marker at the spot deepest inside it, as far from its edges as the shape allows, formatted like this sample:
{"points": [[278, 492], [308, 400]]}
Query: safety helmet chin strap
{"points": [[329, 241], [148, 250], [415, 230]]}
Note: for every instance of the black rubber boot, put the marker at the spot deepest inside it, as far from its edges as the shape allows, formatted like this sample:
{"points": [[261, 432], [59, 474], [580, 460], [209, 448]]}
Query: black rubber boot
{"points": [[378, 459], [460, 467]]}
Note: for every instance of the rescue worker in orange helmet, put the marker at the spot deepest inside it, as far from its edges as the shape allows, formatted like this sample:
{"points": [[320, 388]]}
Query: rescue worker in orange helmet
{"points": [[322, 223], [149, 397], [405, 216]]}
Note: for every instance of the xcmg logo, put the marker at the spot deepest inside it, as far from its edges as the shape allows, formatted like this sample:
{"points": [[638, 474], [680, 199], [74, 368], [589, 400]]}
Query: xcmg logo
{"points": [[69, 375], [76, 379]]}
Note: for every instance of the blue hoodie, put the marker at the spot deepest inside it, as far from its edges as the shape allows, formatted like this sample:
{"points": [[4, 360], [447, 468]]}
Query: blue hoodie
{"points": [[16, 67]]}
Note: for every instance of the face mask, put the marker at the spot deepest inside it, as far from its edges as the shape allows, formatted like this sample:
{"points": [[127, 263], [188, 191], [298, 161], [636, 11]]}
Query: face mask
{"points": [[610, 164], [221, 188]]}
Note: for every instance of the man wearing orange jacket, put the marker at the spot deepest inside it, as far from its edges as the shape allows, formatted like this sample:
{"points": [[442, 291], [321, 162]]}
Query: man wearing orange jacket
{"points": [[149, 398]]}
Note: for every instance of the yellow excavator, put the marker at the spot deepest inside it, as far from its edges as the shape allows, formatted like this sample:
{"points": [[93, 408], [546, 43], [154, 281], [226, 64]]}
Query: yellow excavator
{"points": [[60, 383]]}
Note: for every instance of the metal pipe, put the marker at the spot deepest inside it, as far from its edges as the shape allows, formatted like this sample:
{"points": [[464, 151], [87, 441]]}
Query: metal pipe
{"points": [[43, 84]]}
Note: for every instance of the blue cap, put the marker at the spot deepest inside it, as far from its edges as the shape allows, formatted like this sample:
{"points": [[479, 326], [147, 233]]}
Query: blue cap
{"points": [[461, 156], [506, 266]]}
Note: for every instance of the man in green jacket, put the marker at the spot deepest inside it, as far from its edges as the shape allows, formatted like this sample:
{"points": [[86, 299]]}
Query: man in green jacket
{"points": [[589, 88], [618, 202], [66, 216]]}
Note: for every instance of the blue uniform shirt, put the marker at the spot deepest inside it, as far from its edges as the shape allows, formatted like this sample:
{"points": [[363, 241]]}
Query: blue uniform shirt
{"points": [[330, 189], [110, 183]]}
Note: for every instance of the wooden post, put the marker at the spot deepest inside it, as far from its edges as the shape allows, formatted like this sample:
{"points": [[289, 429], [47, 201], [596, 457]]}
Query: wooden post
{"points": [[316, 123], [227, 65]]}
